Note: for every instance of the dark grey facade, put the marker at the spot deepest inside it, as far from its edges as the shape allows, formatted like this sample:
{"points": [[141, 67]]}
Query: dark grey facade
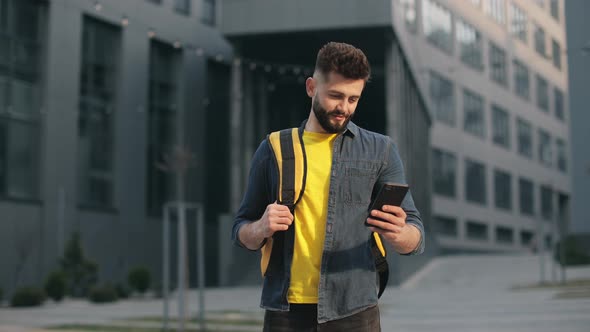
{"points": [[91, 93], [578, 57]]}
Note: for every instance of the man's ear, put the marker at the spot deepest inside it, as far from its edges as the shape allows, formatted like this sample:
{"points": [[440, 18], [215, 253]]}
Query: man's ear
{"points": [[310, 86]]}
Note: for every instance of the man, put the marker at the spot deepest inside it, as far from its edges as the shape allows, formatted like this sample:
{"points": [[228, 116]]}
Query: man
{"points": [[326, 280]]}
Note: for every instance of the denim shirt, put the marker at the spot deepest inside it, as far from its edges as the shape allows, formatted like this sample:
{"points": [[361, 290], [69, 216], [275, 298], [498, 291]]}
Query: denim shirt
{"points": [[361, 162]]}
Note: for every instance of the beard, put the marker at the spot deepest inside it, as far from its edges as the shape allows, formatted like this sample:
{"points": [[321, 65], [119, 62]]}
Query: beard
{"points": [[324, 115]]}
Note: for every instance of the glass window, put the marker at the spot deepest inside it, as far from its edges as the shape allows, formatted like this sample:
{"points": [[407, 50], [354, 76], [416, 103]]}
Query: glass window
{"points": [[183, 6], [444, 168], [525, 138], [477, 3], [496, 9], [163, 109], [540, 40], [470, 45], [558, 101], [554, 7], [545, 153], [473, 118], [500, 127], [503, 189], [521, 79], [540, 3], [98, 82], [446, 226], [546, 203], [561, 155], [20, 100], [437, 25], [498, 65], [475, 182], [519, 22], [209, 12], [409, 10], [526, 238], [159, 2], [527, 200], [476, 230], [504, 235], [556, 54], [542, 93], [443, 98]]}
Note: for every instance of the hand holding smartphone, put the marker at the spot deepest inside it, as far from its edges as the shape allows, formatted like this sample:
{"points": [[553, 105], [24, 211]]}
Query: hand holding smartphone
{"points": [[389, 194]]}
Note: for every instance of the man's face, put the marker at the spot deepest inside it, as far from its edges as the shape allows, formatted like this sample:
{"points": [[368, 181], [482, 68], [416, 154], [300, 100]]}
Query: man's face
{"points": [[334, 100]]}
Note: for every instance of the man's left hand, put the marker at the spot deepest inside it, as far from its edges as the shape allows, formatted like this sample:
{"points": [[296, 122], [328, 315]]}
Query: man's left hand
{"points": [[391, 224]]}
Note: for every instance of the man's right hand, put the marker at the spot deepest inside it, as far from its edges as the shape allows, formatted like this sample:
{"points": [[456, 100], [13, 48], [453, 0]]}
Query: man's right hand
{"points": [[276, 218]]}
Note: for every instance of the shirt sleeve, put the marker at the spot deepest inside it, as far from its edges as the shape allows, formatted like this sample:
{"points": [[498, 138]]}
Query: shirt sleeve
{"points": [[258, 192], [393, 171]]}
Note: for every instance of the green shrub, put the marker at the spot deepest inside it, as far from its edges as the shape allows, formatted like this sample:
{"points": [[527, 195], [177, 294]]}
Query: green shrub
{"points": [[102, 294], [80, 273], [573, 254], [55, 285], [122, 291], [139, 279], [28, 297], [1, 295]]}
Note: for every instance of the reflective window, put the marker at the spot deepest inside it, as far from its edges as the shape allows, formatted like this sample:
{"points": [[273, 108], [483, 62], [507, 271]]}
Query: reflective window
{"points": [[500, 127], [556, 49], [409, 10], [446, 226], [475, 182], [526, 199], [519, 23], [496, 9], [474, 113], [498, 65], [521, 79], [183, 6], [443, 98], [561, 155], [476, 230], [209, 12], [540, 40], [559, 104], [163, 109], [437, 25], [444, 168], [470, 45], [503, 189], [98, 86], [554, 7], [546, 203], [542, 93], [526, 238], [525, 138], [21, 47], [545, 153], [504, 235]]}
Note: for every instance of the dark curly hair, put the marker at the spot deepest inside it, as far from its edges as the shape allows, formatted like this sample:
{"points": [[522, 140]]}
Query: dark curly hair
{"points": [[343, 59]]}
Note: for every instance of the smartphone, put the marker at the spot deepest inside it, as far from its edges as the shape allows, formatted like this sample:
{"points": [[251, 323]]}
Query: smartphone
{"points": [[389, 194]]}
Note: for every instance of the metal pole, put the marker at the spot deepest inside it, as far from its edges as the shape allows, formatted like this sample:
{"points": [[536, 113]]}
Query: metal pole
{"points": [[201, 265], [181, 265], [166, 265], [541, 247]]}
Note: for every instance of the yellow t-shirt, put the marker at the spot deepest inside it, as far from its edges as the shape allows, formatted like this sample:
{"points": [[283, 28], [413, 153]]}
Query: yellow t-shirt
{"points": [[310, 219]]}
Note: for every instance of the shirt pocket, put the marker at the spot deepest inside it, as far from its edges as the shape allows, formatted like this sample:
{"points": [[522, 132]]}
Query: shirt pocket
{"points": [[358, 181]]}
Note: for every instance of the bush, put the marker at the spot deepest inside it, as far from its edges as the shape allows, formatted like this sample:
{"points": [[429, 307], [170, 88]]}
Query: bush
{"points": [[80, 273], [1, 295], [122, 291], [139, 279], [573, 253], [55, 285], [102, 294], [28, 297]]}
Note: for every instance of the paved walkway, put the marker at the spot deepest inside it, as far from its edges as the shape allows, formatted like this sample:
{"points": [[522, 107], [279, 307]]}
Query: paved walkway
{"points": [[459, 293]]}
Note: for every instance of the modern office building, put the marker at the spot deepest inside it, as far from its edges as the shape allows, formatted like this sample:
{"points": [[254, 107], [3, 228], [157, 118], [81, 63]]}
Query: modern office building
{"points": [[96, 96], [497, 78], [578, 55]]}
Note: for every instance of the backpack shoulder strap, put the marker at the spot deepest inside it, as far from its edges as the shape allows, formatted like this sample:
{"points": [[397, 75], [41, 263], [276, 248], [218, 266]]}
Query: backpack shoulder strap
{"points": [[289, 155]]}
